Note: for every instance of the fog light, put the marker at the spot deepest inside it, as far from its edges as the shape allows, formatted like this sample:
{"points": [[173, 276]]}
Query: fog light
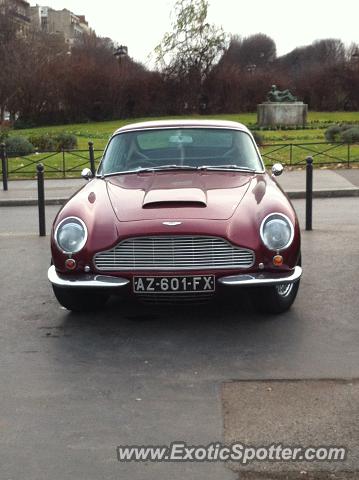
{"points": [[277, 260], [70, 264]]}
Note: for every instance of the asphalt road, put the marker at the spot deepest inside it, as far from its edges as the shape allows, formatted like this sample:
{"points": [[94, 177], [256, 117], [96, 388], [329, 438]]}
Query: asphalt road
{"points": [[73, 387]]}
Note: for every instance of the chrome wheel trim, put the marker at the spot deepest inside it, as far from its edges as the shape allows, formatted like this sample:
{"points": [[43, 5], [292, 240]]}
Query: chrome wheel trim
{"points": [[284, 289]]}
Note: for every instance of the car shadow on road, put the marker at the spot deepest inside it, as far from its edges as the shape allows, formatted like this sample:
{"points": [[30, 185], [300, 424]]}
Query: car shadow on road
{"points": [[118, 311], [224, 332]]}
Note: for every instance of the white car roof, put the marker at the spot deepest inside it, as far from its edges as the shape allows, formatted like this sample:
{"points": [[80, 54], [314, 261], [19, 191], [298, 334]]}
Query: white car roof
{"points": [[183, 123]]}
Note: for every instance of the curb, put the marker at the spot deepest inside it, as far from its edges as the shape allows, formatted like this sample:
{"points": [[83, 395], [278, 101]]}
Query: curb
{"points": [[344, 192], [31, 202], [300, 194]]}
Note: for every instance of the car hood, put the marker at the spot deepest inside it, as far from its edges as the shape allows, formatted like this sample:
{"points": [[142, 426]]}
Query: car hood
{"points": [[171, 195]]}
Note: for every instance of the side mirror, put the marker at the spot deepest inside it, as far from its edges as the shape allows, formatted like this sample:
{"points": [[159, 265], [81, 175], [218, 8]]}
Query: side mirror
{"points": [[277, 169], [86, 174]]}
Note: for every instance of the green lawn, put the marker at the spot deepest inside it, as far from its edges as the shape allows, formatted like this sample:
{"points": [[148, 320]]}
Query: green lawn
{"points": [[99, 133]]}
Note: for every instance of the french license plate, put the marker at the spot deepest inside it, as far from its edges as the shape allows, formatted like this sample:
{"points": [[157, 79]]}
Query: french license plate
{"points": [[205, 283]]}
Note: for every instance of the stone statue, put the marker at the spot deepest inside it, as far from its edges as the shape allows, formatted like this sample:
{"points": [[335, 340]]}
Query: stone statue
{"points": [[275, 95]]}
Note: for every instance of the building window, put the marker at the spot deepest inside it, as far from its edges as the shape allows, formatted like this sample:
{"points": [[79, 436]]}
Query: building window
{"points": [[44, 24]]}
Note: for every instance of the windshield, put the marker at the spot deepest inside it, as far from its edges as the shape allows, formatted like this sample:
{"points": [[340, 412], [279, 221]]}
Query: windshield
{"points": [[187, 148]]}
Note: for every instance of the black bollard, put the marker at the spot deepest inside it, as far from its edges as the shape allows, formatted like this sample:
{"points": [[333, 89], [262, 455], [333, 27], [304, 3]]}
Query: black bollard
{"points": [[92, 158], [41, 199], [3, 166], [309, 194]]}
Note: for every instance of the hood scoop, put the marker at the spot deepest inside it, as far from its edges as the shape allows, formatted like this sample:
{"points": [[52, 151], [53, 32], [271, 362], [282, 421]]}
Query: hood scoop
{"points": [[191, 195], [180, 197]]}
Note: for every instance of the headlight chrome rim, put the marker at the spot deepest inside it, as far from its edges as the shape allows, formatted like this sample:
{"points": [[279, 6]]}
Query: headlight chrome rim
{"points": [[291, 226], [84, 240]]}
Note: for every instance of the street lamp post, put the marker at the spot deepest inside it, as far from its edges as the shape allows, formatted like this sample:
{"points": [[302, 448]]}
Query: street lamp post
{"points": [[355, 57], [121, 52]]}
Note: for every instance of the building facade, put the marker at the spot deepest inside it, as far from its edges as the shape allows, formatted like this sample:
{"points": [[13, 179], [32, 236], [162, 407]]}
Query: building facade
{"points": [[62, 22], [19, 13]]}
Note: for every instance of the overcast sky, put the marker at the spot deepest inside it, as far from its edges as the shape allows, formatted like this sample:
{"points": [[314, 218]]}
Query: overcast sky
{"points": [[140, 24]]}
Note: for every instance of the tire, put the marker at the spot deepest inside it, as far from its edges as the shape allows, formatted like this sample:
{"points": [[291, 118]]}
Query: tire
{"points": [[277, 298], [80, 299]]}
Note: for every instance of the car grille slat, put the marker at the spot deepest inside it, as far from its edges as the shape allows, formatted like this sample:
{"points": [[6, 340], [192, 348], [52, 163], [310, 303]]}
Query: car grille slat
{"points": [[174, 253]]}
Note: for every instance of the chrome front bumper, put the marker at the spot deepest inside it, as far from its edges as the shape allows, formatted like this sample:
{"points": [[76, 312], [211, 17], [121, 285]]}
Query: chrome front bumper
{"points": [[106, 281], [262, 279], [87, 280]]}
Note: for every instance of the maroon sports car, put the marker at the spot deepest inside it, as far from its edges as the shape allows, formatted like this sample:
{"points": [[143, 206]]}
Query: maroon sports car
{"points": [[177, 210]]}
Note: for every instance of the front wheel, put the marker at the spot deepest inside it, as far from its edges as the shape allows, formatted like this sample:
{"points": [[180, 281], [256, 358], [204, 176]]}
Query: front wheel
{"points": [[276, 298], [80, 299]]}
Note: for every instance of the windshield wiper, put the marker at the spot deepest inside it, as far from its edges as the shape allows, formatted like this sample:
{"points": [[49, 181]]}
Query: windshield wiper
{"points": [[151, 169], [125, 172], [235, 168], [174, 167]]}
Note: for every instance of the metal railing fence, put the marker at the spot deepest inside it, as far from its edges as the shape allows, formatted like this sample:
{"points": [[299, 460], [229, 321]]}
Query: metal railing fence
{"points": [[70, 163]]}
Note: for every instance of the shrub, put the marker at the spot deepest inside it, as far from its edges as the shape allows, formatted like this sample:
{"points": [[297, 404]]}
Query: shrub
{"points": [[20, 124], [44, 143], [257, 138], [335, 132], [66, 141], [351, 135], [332, 134], [48, 142], [18, 146], [4, 133]]}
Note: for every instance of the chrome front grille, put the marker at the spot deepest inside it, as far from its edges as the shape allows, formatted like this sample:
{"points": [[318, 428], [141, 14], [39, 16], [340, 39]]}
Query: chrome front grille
{"points": [[173, 253]]}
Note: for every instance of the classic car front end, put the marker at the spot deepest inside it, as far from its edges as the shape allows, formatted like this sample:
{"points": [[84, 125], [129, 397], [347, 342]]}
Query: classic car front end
{"points": [[177, 210]]}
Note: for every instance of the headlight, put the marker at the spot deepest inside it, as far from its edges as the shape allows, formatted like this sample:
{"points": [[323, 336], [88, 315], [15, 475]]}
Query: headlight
{"points": [[71, 235], [277, 231]]}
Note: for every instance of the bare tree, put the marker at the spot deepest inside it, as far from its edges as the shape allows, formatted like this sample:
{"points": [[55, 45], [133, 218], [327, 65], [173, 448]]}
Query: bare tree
{"points": [[190, 51]]}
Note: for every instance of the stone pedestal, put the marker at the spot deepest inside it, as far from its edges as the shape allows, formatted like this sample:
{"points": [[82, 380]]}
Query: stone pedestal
{"points": [[282, 114]]}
